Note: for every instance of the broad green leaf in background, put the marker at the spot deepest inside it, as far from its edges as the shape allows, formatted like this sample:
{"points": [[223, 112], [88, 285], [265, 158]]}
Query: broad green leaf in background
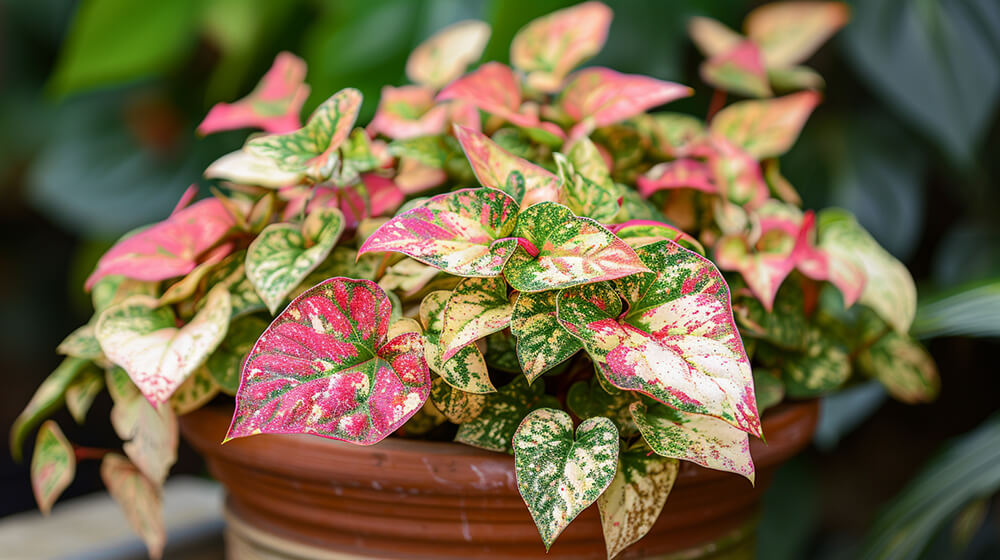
{"points": [[466, 370], [541, 342], [53, 465], [633, 501], [47, 399], [477, 307], [559, 474], [903, 366], [494, 427], [446, 54], [141, 501], [967, 311]]}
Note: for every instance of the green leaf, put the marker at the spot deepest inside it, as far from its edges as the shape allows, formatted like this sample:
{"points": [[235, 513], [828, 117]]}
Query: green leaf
{"points": [[821, 367], [46, 400], [357, 157], [541, 342], [140, 500], [587, 399], [224, 363], [587, 185], [633, 501], [495, 425], [968, 311], [81, 343], [902, 366], [477, 307], [231, 273], [570, 251], [466, 370], [457, 406], [82, 391], [501, 352], [53, 465], [195, 392], [768, 387], [150, 433], [559, 475]]}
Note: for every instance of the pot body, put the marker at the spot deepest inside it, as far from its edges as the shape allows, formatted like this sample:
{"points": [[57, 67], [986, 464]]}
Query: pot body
{"points": [[305, 497]]}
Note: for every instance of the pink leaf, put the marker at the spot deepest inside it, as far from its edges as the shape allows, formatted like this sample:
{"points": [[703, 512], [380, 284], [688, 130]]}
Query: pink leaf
{"points": [[736, 174], [767, 127], [408, 112], [494, 88], [384, 197], [273, 105], [677, 174], [822, 265], [789, 32], [740, 70], [497, 168]]}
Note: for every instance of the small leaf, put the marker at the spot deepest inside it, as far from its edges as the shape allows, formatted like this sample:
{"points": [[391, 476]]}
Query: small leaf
{"points": [[790, 32], [445, 55], [283, 254], [495, 167], [150, 433], [736, 174], [457, 406], [677, 174], [47, 399], [186, 287], [140, 500], [549, 47], [464, 232], [493, 88], [571, 250], [601, 97], [466, 370], [273, 105], [53, 465], [357, 157], [144, 340], [711, 37], [325, 367], [224, 364], [739, 70], [494, 428], [767, 127], [633, 501], [195, 392], [903, 366], [477, 307], [81, 393], [81, 343], [409, 112], [588, 189], [558, 475], [541, 343]]}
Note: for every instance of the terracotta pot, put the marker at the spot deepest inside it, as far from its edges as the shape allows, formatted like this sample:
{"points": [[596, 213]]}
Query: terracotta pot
{"points": [[306, 497]]}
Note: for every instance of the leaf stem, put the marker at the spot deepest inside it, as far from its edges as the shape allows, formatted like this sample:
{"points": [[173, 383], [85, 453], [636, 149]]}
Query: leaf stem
{"points": [[718, 101]]}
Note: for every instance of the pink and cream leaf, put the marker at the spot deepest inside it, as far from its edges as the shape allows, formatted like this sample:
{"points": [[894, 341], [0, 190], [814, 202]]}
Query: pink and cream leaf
{"points": [[682, 173], [711, 37], [476, 308], [445, 55], [739, 70], [150, 433], [140, 500], [790, 32], [409, 112], [494, 88], [767, 127], [497, 168], [466, 370], [53, 465], [736, 174]]}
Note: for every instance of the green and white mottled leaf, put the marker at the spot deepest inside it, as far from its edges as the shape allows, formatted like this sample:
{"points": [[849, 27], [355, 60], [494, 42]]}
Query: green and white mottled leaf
{"points": [[466, 370], [592, 398], [570, 251], [231, 273], [477, 307], [902, 366], [457, 406], [53, 465], [494, 427], [560, 475], [225, 362], [143, 339], [633, 501], [821, 367], [541, 342], [408, 276], [140, 500], [283, 254], [588, 189], [81, 343], [704, 440], [248, 168], [47, 399], [150, 434], [82, 391], [195, 392]]}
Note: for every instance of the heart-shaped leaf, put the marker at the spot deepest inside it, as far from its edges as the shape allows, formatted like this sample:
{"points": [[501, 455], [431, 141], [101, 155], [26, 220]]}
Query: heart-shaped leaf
{"points": [[445, 55], [326, 367], [466, 370], [464, 233], [704, 440], [273, 105], [495, 167], [158, 356], [790, 32], [633, 501], [678, 174], [408, 112], [283, 254], [766, 127], [903, 367], [457, 406], [53, 465], [477, 307], [571, 250], [541, 343], [559, 475], [82, 391], [169, 248], [494, 428], [739, 70], [150, 434], [140, 500], [311, 151], [47, 399], [493, 88], [549, 47]]}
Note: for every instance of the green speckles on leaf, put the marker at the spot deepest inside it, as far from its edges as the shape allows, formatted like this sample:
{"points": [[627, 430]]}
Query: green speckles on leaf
{"points": [[457, 406], [53, 465], [587, 185], [821, 367], [224, 364], [541, 343], [590, 398], [466, 370], [559, 475], [196, 391], [495, 426], [477, 307], [902, 366], [633, 501]]}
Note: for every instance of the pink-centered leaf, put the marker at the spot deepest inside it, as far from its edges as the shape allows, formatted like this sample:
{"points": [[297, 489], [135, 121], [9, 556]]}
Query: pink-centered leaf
{"points": [[678, 174], [408, 112], [497, 168], [767, 127], [445, 55], [823, 265], [53, 465], [762, 270], [326, 367], [549, 47], [790, 32], [168, 249], [739, 70], [465, 233], [139, 499], [736, 173], [273, 105], [494, 88]]}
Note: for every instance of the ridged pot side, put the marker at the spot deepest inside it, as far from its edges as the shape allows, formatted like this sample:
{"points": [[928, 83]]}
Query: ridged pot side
{"points": [[419, 499]]}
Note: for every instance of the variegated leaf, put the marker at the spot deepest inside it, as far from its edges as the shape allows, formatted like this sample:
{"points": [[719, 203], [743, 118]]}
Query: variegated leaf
{"points": [[195, 392], [477, 307], [633, 501], [889, 288], [445, 55], [466, 370], [767, 127], [789, 32], [186, 287], [53, 465], [549, 47], [273, 105], [541, 343], [769, 389], [670, 135], [456, 405], [81, 343], [425, 420], [823, 366], [325, 367], [158, 356], [115, 289], [560, 475], [494, 88], [736, 174], [168, 249], [903, 367], [795, 78], [569, 250], [501, 352], [465, 233], [47, 399], [80, 394], [784, 326], [224, 364], [763, 270], [704, 440], [150, 433], [588, 189], [247, 168], [821, 265], [678, 174], [587, 399], [140, 500], [739, 70], [408, 277], [231, 274], [312, 150], [284, 254], [495, 167], [638, 233], [494, 428], [357, 157], [408, 112], [712, 37]]}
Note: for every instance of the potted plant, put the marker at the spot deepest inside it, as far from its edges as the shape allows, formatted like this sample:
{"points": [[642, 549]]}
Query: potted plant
{"points": [[521, 260]]}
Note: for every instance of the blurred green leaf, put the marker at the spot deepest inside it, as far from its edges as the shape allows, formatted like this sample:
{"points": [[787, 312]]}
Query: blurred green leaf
{"points": [[969, 311]]}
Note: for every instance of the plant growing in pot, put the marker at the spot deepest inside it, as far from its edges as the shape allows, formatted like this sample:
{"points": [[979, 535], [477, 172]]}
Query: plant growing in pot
{"points": [[519, 259]]}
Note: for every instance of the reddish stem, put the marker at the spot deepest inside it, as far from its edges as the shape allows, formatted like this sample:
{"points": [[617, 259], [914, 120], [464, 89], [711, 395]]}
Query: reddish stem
{"points": [[81, 453], [718, 101]]}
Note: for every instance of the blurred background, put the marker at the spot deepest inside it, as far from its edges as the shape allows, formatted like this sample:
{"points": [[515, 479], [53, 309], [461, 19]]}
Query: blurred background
{"points": [[99, 101]]}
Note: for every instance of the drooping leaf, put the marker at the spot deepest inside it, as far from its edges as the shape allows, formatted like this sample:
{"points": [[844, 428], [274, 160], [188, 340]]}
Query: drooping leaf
{"points": [[80, 394], [767, 127], [273, 105], [195, 392], [678, 174], [150, 433], [549, 47], [571, 250], [493, 88], [225, 362], [494, 428], [445, 55], [53, 465], [903, 367], [140, 500], [541, 343], [477, 307], [466, 370], [325, 367], [821, 367], [283, 255], [409, 112], [559, 475], [464, 232], [633, 501], [497, 168], [790, 32], [456, 405], [247, 168], [158, 356], [587, 399], [739, 70], [47, 399], [969, 310]]}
